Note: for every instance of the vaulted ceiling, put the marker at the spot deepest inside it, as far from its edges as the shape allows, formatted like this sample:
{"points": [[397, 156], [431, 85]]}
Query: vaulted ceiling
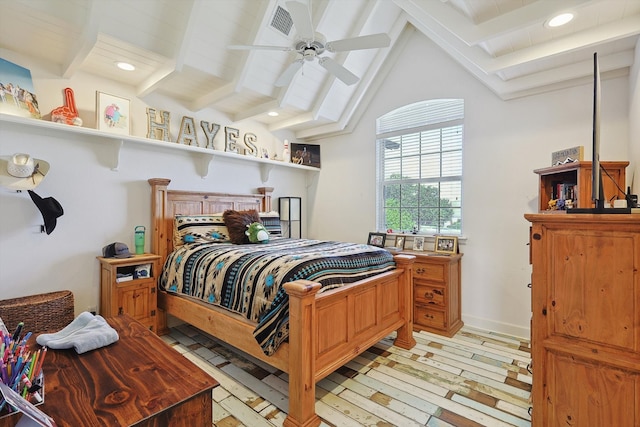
{"points": [[181, 48]]}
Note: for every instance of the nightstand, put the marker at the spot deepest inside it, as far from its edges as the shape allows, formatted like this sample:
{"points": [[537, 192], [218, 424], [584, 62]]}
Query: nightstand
{"points": [[437, 304], [120, 293]]}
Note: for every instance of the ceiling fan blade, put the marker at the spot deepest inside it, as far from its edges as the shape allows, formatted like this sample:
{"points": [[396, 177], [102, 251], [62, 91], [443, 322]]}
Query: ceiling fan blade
{"points": [[301, 20], [286, 77], [339, 71], [240, 47], [356, 43]]}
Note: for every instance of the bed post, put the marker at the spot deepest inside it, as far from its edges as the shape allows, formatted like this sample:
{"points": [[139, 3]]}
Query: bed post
{"points": [[302, 354], [158, 235], [404, 338], [266, 200]]}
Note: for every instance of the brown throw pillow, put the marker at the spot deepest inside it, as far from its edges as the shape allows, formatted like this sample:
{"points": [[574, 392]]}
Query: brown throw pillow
{"points": [[237, 221]]}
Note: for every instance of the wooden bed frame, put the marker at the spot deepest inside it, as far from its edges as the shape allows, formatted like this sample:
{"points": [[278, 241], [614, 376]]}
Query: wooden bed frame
{"points": [[326, 330]]}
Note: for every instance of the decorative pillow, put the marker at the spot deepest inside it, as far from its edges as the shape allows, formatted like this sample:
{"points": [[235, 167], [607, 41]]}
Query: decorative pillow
{"points": [[199, 229], [237, 222]]}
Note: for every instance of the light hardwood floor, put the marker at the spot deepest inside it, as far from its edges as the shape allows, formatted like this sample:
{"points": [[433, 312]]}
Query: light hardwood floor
{"points": [[476, 378]]}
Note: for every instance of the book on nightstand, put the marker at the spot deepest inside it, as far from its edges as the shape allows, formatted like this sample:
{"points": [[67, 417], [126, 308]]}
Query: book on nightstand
{"points": [[123, 277]]}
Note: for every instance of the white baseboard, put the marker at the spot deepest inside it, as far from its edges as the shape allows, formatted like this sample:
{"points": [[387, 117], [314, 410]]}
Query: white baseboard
{"points": [[495, 326]]}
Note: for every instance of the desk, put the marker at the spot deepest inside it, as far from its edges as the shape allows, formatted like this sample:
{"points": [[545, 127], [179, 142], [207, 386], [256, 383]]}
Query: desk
{"points": [[137, 381]]}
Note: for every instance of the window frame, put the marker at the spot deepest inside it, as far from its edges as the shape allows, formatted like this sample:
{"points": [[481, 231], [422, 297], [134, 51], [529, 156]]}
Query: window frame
{"points": [[382, 184]]}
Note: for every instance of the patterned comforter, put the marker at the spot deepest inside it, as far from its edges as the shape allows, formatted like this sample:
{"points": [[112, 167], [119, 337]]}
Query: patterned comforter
{"points": [[247, 279]]}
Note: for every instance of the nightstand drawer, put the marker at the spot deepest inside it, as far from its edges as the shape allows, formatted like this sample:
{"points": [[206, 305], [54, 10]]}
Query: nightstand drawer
{"points": [[433, 272], [426, 316], [426, 294]]}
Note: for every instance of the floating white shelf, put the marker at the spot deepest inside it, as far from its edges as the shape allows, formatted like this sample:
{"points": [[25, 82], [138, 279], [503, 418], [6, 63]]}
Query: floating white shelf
{"points": [[204, 155]]}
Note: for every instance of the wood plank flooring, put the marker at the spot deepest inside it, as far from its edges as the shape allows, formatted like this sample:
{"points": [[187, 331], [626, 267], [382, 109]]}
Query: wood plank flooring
{"points": [[476, 378]]}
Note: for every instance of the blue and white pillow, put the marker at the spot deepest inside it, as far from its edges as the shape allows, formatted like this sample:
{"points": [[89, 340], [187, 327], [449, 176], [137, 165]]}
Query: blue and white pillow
{"points": [[199, 229]]}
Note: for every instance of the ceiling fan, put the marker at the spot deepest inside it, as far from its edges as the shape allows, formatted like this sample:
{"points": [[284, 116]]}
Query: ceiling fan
{"points": [[310, 45]]}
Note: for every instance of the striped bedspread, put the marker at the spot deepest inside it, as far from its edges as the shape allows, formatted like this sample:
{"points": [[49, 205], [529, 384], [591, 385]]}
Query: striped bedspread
{"points": [[247, 279]]}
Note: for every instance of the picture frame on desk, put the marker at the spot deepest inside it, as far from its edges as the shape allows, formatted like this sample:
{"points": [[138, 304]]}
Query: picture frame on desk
{"points": [[446, 245], [418, 243], [377, 239], [399, 243]]}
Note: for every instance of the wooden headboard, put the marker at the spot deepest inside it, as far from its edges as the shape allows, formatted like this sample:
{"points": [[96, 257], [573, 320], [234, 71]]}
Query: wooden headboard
{"points": [[165, 204]]}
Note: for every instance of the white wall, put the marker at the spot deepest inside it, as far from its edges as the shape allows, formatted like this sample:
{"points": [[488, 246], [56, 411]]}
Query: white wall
{"points": [[101, 205], [504, 143]]}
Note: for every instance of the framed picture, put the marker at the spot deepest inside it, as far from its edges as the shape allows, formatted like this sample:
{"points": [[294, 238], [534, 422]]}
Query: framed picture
{"points": [[305, 154], [399, 242], [17, 96], [446, 245], [418, 243], [112, 113], [377, 239]]}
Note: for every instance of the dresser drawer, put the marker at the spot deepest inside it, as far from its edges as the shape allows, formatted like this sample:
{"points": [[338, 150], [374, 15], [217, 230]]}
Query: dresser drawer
{"points": [[427, 294], [433, 272], [426, 316]]}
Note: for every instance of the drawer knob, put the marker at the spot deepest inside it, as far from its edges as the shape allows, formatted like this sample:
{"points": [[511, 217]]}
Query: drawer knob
{"points": [[428, 295], [420, 270]]}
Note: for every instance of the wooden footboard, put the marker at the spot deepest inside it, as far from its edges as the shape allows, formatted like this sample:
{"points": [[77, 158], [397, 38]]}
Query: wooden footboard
{"points": [[326, 330], [329, 329]]}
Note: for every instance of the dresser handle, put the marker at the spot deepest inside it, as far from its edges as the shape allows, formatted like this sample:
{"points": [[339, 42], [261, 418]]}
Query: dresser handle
{"points": [[428, 295], [420, 270]]}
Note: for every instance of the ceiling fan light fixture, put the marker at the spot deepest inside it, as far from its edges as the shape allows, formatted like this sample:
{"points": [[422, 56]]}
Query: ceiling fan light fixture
{"points": [[125, 66], [560, 19], [273, 114]]}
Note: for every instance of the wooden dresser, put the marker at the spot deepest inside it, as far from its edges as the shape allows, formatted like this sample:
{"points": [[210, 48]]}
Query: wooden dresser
{"points": [[585, 332], [436, 291]]}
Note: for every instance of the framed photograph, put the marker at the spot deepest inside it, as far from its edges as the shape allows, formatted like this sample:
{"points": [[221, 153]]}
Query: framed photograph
{"points": [[377, 239], [418, 243], [17, 96], [446, 245], [305, 154], [112, 113], [399, 242]]}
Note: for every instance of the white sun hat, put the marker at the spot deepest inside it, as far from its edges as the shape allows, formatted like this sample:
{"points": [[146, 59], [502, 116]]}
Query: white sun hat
{"points": [[22, 172]]}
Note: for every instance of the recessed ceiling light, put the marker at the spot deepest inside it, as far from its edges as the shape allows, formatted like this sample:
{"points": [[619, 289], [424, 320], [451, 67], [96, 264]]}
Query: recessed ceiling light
{"points": [[560, 19], [125, 66], [273, 113]]}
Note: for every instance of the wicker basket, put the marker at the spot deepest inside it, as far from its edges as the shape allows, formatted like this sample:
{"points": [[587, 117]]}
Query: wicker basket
{"points": [[48, 312]]}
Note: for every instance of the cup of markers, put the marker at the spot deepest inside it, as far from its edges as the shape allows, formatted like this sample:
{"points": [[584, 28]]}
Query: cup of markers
{"points": [[21, 367]]}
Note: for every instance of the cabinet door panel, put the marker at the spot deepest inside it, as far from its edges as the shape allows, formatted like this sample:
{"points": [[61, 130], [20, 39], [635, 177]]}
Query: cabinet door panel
{"points": [[588, 394], [134, 301], [583, 292]]}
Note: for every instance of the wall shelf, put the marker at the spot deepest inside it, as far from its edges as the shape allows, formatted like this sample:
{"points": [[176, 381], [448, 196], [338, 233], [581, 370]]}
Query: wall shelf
{"points": [[204, 156]]}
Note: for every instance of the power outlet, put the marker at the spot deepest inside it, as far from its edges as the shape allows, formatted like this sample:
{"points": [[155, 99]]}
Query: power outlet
{"points": [[92, 309]]}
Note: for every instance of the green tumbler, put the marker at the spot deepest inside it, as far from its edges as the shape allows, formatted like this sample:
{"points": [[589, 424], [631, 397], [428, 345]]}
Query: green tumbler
{"points": [[139, 239]]}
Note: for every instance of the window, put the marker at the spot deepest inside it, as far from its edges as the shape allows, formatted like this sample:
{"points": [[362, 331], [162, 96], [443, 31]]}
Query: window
{"points": [[419, 172]]}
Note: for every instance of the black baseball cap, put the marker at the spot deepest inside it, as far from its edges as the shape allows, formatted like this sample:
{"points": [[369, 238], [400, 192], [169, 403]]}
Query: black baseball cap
{"points": [[116, 250]]}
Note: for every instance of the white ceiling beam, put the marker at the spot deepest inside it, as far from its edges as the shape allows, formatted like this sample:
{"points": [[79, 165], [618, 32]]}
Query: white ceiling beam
{"points": [[597, 36], [473, 34], [258, 110], [213, 97], [87, 40], [175, 64]]}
